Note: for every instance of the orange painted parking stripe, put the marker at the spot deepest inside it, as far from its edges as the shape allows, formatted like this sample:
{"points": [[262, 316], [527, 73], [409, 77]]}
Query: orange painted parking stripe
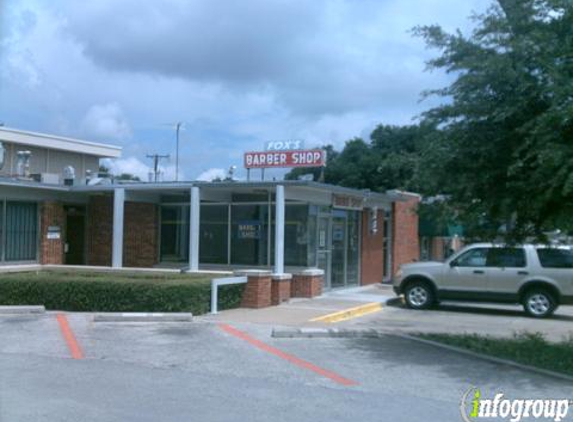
{"points": [[73, 345], [290, 358]]}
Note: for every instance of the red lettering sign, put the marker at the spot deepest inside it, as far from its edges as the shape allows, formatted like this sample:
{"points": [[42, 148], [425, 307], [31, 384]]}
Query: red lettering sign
{"points": [[297, 158]]}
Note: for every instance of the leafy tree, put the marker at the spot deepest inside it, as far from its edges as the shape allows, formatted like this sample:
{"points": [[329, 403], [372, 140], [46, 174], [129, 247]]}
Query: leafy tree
{"points": [[389, 161], [504, 152]]}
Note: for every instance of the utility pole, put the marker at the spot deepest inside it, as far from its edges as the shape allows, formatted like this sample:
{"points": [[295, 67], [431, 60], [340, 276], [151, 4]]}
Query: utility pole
{"points": [[156, 158], [177, 151]]}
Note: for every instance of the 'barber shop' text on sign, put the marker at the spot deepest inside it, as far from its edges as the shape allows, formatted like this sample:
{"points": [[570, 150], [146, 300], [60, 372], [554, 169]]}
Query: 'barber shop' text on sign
{"points": [[298, 158]]}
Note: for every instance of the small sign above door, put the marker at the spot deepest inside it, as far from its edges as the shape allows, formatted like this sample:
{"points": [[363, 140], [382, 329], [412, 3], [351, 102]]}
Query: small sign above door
{"points": [[347, 202]]}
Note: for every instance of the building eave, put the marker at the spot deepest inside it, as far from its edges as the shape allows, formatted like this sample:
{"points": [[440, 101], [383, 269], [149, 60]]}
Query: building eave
{"points": [[42, 140]]}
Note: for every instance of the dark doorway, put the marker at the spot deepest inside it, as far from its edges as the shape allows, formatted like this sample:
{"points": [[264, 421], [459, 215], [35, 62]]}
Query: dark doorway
{"points": [[75, 235]]}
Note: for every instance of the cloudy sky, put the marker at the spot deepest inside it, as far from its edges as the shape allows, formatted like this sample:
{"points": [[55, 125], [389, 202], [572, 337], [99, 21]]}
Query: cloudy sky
{"points": [[238, 73]]}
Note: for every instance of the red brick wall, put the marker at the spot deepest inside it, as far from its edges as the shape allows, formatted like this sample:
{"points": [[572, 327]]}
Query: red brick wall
{"points": [[140, 233], [52, 250], [99, 228], [306, 285], [257, 293], [406, 243], [372, 260]]}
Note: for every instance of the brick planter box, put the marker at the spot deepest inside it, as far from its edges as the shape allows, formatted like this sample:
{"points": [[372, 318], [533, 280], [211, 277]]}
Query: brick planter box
{"points": [[257, 293], [307, 283], [280, 288]]}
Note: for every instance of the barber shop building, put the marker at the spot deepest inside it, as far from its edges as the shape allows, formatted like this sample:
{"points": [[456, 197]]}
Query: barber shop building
{"points": [[56, 210]]}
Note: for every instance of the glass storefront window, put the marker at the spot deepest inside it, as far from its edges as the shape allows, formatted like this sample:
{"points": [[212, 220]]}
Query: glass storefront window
{"points": [[175, 233], [249, 233], [214, 240], [252, 237], [297, 235], [21, 231]]}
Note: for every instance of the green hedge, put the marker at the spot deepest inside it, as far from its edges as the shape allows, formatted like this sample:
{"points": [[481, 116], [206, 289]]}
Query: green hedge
{"points": [[112, 292]]}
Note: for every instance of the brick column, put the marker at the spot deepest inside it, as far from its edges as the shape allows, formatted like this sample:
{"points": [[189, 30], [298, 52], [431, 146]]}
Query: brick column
{"points": [[100, 226], [405, 240], [307, 283], [52, 250], [280, 288], [257, 293]]}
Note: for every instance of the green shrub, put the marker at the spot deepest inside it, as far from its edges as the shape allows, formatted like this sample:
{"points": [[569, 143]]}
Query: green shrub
{"points": [[113, 292]]}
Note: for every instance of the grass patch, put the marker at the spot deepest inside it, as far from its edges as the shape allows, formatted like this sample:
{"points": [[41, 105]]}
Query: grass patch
{"points": [[525, 348], [115, 291]]}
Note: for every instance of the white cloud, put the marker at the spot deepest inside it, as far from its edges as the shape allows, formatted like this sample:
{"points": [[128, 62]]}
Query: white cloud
{"points": [[136, 167], [211, 174], [106, 121], [324, 72], [130, 165]]}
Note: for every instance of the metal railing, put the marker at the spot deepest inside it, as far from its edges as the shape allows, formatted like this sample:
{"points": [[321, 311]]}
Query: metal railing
{"points": [[216, 282]]}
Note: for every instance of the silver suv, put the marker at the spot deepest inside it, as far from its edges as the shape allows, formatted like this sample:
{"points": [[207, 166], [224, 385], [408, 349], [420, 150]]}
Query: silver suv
{"points": [[538, 277]]}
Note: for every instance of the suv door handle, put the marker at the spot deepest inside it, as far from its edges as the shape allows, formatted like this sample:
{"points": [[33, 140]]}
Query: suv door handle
{"points": [[478, 271], [522, 273]]}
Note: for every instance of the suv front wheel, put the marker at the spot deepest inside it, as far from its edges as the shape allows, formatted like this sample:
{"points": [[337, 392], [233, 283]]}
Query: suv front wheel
{"points": [[539, 303], [419, 295]]}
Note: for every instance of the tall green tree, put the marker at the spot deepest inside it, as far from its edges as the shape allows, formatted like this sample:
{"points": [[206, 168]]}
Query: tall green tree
{"points": [[389, 160], [504, 152]]}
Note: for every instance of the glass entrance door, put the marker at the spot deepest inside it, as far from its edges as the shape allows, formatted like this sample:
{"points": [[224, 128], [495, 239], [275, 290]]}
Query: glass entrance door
{"points": [[339, 246], [175, 233], [324, 252]]}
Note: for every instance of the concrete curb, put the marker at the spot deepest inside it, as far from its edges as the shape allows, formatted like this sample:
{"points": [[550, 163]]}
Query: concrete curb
{"points": [[350, 313], [22, 310], [324, 333], [353, 333], [143, 317], [487, 358]]}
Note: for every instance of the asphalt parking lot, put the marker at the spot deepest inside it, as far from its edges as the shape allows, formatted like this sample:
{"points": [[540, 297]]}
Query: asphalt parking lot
{"points": [[454, 317], [206, 370]]}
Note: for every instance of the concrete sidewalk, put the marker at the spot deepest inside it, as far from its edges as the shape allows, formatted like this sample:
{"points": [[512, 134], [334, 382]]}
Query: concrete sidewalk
{"points": [[456, 318], [299, 312]]}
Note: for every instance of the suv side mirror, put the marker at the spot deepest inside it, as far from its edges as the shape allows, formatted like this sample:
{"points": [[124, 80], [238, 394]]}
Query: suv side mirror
{"points": [[453, 263]]}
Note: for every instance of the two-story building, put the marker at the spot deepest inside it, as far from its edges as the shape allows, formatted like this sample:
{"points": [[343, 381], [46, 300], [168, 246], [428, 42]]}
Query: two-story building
{"points": [[54, 210]]}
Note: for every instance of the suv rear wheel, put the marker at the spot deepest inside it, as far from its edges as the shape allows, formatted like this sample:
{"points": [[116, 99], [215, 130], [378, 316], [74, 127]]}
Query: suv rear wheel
{"points": [[539, 303], [419, 295]]}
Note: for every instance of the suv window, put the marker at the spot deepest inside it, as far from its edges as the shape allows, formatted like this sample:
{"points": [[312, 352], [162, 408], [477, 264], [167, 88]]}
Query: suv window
{"points": [[555, 258], [506, 257], [472, 258]]}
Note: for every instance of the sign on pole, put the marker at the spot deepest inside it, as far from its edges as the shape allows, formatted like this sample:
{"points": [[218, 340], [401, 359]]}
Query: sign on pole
{"points": [[284, 159]]}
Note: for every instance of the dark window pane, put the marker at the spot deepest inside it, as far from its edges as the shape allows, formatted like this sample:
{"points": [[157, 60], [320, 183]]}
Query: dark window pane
{"points": [[297, 235], [175, 233], [472, 258], [214, 234], [21, 231], [506, 257], [555, 258], [249, 230]]}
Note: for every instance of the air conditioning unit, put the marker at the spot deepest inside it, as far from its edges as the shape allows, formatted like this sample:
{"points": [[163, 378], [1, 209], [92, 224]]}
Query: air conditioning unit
{"points": [[50, 178]]}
